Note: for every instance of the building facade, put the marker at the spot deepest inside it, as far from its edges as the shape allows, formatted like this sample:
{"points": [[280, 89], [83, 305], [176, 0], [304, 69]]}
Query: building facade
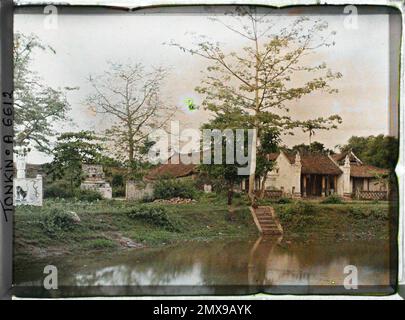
{"points": [[319, 175]]}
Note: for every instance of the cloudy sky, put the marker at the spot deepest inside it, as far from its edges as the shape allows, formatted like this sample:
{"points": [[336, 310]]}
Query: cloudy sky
{"points": [[85, 42]]}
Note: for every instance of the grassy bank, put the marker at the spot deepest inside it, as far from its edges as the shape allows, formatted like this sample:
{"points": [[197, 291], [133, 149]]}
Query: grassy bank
{"points": [[346, 221], [107, 226]]}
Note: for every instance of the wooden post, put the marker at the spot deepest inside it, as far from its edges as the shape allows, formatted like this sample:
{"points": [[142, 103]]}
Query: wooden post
{"points": [[323, 186]]}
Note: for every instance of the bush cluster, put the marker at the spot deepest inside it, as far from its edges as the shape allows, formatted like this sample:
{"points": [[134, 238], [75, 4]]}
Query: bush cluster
{"points": [[368, 213], [283, 200], [332, 199], [55, 221], [63, 190], [155, 215], [171, 188], [297, 212]]}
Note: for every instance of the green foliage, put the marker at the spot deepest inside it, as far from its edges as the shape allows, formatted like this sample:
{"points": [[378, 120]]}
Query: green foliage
{"points": [[88, 195], [284, 200], [58, 189], [303, 208], [61, 189], [117, 180], [253, 84], [118, 192], [368, 213], [56, 221], [380, 151], [172, 188], [334, 198], [36, 106], [71, 151], [314, 147], [297, 215], [156, 215]]}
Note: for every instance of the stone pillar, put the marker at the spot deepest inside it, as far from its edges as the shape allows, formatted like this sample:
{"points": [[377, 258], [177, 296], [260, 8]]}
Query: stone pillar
{"points": [[347, 188], [304, 185], [21, 165], [297, 177]]}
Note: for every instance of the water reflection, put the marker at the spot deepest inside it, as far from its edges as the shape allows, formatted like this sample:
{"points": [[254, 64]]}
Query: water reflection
{"points": [[263, 262]]}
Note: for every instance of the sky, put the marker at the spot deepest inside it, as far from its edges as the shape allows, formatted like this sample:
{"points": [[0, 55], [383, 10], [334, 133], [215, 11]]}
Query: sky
{"points": [[84, 43]]}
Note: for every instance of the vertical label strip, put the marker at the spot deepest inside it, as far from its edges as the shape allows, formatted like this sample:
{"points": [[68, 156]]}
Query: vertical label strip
{"points": [[6, 147]]}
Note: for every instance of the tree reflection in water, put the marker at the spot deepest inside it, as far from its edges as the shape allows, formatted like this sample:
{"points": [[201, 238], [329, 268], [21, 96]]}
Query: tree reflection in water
{"points": [[254, 262]]}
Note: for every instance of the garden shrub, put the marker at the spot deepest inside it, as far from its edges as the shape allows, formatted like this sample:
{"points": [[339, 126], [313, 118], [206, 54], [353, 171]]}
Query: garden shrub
{"points": [[155, 215], [332, 199], [59, 189], [63, 190], [56, 221], [296, 212], [356, 212], [283, 200], [88, 195], [303, 208], [118, 191], [370, 213], [171, 188]]}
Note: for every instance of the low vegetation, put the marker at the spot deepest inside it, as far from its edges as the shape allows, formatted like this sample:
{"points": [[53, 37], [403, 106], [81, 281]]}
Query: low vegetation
{"points": [[155, 215], [63, 190], [49, 230], [172, 188], [334, 221], [56, 221], [332, 199]]}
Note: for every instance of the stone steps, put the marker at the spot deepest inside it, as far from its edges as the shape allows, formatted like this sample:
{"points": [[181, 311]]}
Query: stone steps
{"points": [[266, 221]]}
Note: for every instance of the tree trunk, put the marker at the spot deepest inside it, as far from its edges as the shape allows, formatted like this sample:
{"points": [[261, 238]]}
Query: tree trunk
{"points": [[230, 195], [130, 156], [230, 199], [252, 176], [263, 186]]}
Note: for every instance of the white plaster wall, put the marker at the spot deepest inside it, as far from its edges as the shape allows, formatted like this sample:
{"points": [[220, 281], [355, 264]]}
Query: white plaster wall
{"points": [[340, 185], [377, 185], [286, 176]]}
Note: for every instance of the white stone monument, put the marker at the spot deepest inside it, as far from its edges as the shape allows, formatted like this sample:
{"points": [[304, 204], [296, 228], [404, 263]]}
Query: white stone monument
{"points": [[95, 180], [27, 191]]}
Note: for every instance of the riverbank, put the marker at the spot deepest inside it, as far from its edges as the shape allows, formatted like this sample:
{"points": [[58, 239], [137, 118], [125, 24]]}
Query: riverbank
{"points": [[107, 226], [349, 221]]}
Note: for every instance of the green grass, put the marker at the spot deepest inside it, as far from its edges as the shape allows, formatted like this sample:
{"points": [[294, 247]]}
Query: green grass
{"points": [[104, 223], [343, 221]]}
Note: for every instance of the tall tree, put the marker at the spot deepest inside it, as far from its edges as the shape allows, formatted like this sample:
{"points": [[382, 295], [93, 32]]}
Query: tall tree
{"points": [[71, 151], [37, 106], [130, 97], [227, 173], [270, 70]]}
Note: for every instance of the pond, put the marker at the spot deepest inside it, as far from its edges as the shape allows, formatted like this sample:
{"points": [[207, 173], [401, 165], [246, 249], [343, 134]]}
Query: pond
{"points": [[216, 267]]}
